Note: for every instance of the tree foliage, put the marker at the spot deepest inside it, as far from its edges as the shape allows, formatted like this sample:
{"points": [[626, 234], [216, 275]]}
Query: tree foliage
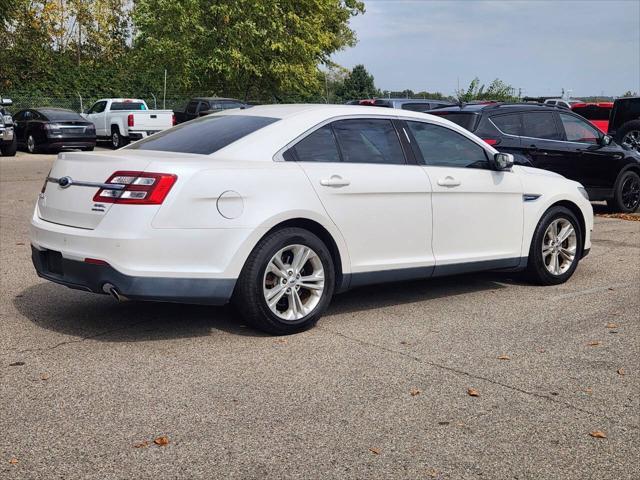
{"points": [[358, 84], [497, 90]]}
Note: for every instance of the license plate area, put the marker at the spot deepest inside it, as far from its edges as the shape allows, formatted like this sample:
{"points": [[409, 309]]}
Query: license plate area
{"points": [[53, 261]]}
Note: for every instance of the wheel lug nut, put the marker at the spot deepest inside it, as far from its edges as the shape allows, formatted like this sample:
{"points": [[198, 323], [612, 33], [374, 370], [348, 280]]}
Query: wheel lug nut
{"points": [[288, 290]]}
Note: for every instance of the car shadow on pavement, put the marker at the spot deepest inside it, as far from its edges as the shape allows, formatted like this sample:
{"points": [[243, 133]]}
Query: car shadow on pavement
{"points": [[101, 318]]}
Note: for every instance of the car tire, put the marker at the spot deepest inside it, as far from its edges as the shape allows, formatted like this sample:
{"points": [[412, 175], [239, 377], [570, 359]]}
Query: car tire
{"points": [[117, 140], [629, 135], [10, 149], [626, 195], [546, 247], [258, 282], [32, 145]]}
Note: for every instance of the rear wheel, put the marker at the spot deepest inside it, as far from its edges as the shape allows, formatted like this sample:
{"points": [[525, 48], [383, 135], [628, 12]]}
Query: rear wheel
{"points": [[556, 247], [626, 196], [32, 146], [287, 282], [9, 150], [117, 140], [629, 135]]}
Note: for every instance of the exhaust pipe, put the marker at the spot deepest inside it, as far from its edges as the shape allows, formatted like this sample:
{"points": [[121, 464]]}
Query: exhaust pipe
{"points": [[113, 291]]}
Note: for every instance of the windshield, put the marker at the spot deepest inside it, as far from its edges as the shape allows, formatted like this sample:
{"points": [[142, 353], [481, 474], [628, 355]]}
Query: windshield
{"points": [[465, 120], [57, 115], [128, 106], [204, 135]]}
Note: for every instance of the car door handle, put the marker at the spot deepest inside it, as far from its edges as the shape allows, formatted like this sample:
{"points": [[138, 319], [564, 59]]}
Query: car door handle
{"points": [[335, 181], [449, 181]]}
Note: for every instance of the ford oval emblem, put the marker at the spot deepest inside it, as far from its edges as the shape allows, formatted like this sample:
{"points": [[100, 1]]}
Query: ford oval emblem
{"points": [[65, 182]]}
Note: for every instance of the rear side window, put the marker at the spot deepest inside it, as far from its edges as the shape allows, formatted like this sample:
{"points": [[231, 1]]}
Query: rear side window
{"points": [[468, 121], [509, 124], [442, 147], [368, 141], [540, 125], [192, 107], [320, 146], [127, 106], [204, 135]]}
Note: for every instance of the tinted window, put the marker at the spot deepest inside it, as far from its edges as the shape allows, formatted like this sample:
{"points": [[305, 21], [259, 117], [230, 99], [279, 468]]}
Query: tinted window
{"points": [[20, 115], [465, 120], [192, 107], [204, 135], [441, 146], [128, 106], [593, 112], [508, 123], [417, 107], [577, 130], [226, 105], [62, 115], [368, 141], [320, 146], [540, 125]]}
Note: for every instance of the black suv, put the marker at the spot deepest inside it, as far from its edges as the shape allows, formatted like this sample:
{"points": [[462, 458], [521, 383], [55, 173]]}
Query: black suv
{"points": [[624, 122], [559, 140]]}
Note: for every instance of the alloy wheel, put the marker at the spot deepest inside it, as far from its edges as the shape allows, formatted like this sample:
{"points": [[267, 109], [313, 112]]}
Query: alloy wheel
{"points": [[115, 139], [632, 140], [559, 246], [630, 192], [293, 282], [31, 144]]}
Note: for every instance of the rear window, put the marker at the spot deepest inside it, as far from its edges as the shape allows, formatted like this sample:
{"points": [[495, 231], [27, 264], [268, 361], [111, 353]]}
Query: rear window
{"points": [[60, 115], [204, 135], [465, 120], [417, 107], [128, 106]]}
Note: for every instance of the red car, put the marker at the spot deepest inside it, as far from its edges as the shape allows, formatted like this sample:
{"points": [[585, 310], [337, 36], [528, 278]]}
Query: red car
{"points": [[597, 113]]}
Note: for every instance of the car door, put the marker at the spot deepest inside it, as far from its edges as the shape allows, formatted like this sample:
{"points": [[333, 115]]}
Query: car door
{"points": [[477, 212], [379, 202], [593, 165], [97, 116], [191, 111], [542, 141], [19, 125]]}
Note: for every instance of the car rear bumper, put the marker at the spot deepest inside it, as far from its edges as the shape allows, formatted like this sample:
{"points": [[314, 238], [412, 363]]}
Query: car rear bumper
{"points": [[72, 143], [95, 278]]}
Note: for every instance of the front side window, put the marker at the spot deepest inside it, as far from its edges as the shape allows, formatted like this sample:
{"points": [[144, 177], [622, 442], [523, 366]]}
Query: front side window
{"points": [[98, 107], [204, 135], [577, 130], [540, 125], [509, 124], [442, 147], [368, 141], [319, 146]]}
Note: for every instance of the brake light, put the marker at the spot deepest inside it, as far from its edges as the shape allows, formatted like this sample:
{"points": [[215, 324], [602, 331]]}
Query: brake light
{"points": [[130, 120], [173, 119], [136, 188], [491, 141]]}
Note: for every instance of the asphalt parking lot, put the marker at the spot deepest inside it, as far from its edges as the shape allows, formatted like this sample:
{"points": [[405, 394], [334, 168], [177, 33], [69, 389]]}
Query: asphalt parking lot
{"points": [[379, 390]]}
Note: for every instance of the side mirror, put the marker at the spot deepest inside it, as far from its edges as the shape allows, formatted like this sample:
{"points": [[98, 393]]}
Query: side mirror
{"points": [[605, 140], [502, 161], [5, 102]]}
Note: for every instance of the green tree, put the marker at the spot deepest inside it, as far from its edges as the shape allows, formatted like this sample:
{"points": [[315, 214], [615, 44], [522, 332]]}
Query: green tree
{"points": [[497, 90], [263, 48], [358, 84]]}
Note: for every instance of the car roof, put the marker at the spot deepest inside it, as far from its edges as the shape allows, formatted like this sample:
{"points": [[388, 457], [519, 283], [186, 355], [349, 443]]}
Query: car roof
{"points": [[208, 99], [500, 107], [402, 101]]}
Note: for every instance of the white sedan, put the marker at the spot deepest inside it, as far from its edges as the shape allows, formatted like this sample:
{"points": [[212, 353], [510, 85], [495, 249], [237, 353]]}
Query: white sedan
{"points": [[278, 207]]}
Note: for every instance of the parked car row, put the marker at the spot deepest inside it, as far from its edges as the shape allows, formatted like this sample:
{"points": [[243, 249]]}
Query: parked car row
{"points": [[8, 141]]}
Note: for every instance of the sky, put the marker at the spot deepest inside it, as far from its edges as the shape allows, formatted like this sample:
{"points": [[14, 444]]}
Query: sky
{"points": [[586, 47]]}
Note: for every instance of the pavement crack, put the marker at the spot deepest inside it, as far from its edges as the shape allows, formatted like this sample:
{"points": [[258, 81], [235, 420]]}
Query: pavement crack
{"points": [[478, 377]]}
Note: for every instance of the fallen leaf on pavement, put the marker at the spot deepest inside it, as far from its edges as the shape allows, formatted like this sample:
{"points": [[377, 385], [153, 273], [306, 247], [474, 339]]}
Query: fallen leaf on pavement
{"points": [[283, 341], [162, 441], [620, 371], [594, 343], [16, 364], [588, 391], [473, 392], [374, 450], [13, 461], [403, 342], [44, 376], [598, 434], [415, 391], [612, 325], [141, 444], [432, 472], [504, 357]]}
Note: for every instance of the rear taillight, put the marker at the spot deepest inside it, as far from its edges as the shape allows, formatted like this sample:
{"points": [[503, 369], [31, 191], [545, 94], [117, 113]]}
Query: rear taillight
{"points": [[173, 119], [491, 141], [130, 120], [136, 188]]}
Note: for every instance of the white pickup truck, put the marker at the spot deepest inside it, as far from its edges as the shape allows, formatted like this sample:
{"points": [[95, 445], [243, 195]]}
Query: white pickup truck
{"points": [[121, 120]]}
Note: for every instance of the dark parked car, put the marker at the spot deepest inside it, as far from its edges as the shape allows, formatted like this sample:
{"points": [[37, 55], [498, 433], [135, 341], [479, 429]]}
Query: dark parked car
{"points": [[53, 129], [8, 142], [556, 139], [624, 123], [198, 107], [413, 104]]}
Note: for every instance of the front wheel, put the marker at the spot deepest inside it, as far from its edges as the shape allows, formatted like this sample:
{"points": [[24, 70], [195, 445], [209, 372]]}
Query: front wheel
{"points": [[556, 247], [286, 283], [10, 149], [626, 196], [117, 140]]}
